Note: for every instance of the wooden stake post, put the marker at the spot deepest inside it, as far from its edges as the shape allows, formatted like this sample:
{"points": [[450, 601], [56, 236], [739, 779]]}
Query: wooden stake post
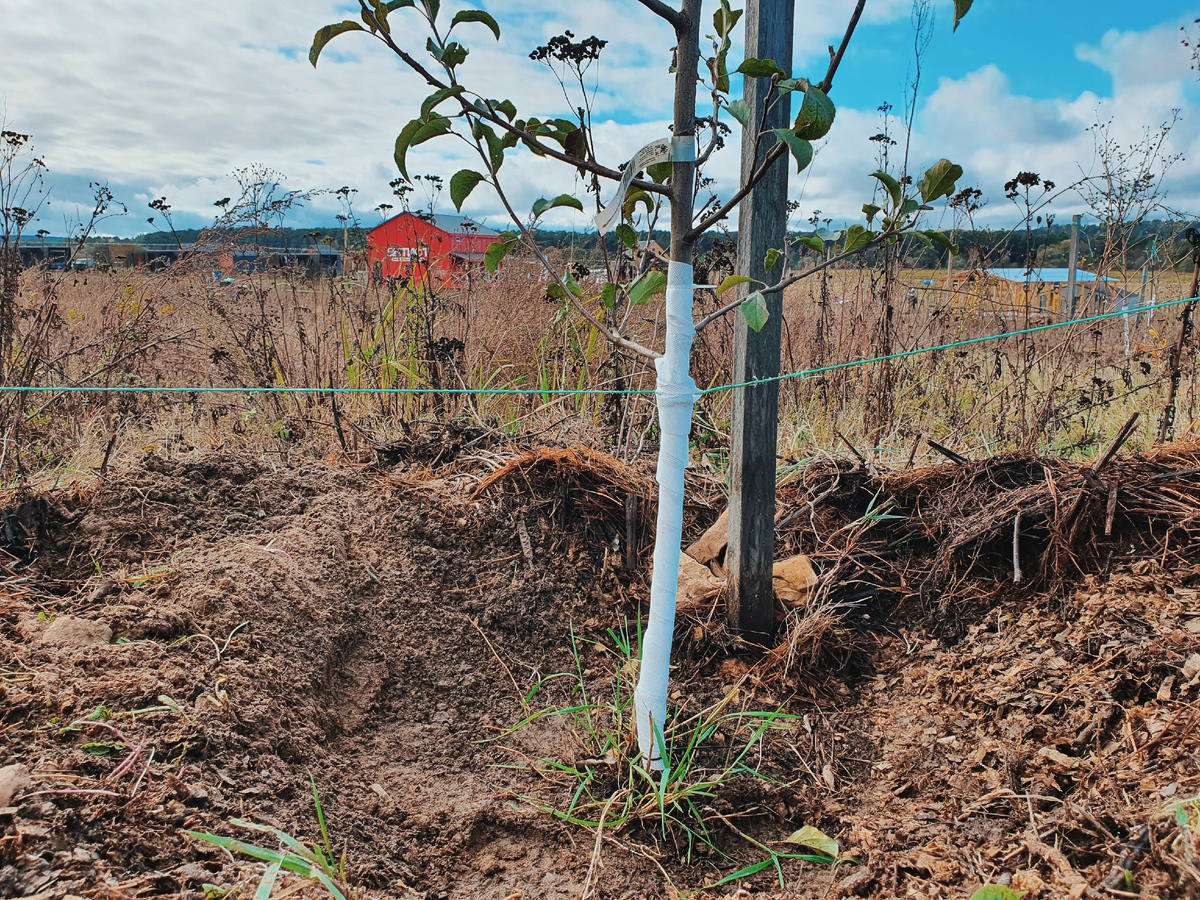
{"points": [[762, 226]]}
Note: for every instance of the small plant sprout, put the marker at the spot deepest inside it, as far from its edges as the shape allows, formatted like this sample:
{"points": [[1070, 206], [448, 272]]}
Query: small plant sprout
{"points": [[313, 861]]}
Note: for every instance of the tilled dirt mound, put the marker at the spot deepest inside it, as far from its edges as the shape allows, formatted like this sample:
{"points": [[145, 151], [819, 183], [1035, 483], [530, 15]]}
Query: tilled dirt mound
{"points": [[191, 641]]}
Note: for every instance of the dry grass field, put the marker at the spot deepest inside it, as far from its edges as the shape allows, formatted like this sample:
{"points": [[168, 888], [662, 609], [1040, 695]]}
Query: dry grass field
{"points": [[387, 640]]}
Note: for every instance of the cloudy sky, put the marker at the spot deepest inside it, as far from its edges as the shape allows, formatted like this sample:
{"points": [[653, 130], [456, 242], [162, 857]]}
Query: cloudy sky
{"points": [[166, 99]]}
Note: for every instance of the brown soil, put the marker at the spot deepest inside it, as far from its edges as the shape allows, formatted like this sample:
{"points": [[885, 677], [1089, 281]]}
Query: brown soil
{"points": [[372, 628]]}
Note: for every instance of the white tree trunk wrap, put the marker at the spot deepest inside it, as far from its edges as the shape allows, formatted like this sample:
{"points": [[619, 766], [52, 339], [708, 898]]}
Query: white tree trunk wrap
{"points": [[676, 394]]}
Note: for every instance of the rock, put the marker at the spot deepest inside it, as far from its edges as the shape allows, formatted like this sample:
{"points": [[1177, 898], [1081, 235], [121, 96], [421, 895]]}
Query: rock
{"points": [[13, 780], [709, 550], [697, 584], [68, 631], [794, 580]]}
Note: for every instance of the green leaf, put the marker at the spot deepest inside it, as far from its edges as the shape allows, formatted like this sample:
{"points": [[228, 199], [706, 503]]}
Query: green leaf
{"points": [[393, 5], [268, 882], [633, 198], [327, 34], [996, 892], [816, 115], [726, 19], [922, 238], [743, 873], [417, 132], [461, 185], [870, 210], [857, 237], [437, 97], [892, 185], [608, 296], [961, 8], [733, 281], [760, 68], [940, 180], [939, 238], [543, 205], [647, 286], [816, 839], [506, 107], [626, 236], [475, 15], [741, 111], [772, 258], [434, 7], [495, 253], [801, 149], [754, 310], [910, 206], [812, 242]]}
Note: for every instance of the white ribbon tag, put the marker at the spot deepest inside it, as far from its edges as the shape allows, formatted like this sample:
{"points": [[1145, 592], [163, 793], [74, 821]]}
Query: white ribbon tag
{"points": [[663, 150]]}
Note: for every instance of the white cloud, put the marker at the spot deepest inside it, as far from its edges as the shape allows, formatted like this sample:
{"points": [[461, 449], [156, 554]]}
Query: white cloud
{"points": [[166, 98]]}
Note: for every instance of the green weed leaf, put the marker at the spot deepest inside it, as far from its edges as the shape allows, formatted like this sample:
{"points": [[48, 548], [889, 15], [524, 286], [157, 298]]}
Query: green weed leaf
{"points": [[495, 253], [650, 284], [475, 15], [941, 238], [741, 111], [754, 310], [268, 882], [801, 149], [543, 205], [327, 34], [733, 281], [961, 8], [816, 115], [890, 184], [437, 97], [996, 892], [417, 131], [857, 238], [461, 185], [760, 68], [939, 180]]}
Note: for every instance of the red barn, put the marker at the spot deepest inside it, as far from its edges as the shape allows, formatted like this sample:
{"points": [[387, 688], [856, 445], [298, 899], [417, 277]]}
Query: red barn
{"points": [[419, 245]]}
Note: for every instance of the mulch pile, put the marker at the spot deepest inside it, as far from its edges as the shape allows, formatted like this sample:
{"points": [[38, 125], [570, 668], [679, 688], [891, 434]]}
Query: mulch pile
{"points": [[185, 642]]}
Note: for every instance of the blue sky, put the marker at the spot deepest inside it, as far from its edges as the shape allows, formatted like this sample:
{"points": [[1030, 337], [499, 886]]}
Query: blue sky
{"points": [[167, 99]]}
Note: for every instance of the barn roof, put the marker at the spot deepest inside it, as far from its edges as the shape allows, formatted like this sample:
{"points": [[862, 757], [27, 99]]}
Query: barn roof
{"points": [[1043, 276], [449, 224]]}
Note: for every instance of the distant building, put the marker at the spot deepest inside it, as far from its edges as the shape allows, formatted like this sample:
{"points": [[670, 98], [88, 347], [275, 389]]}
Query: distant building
{"points": [[1015, 291], [443, 249]]}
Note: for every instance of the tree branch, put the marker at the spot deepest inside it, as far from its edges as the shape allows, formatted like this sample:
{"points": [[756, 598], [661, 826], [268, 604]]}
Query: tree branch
{"points": [[827, 81], [664, 11], [788, 282]]}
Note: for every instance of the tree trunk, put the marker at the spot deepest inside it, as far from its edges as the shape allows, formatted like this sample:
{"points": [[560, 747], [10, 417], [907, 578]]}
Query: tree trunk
{"points": [[676, 394]]}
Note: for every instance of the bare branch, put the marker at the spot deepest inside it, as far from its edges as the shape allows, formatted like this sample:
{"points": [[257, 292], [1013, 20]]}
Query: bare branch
{"points": [[664, 11], [827, 81]]}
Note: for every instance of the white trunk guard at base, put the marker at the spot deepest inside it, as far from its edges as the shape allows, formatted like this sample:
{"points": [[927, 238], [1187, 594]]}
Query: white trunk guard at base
{"points": [[676, 394]]}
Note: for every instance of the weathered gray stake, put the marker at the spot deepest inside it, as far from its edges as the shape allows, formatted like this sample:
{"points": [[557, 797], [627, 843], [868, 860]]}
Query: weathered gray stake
{"points": [[762, 226]]}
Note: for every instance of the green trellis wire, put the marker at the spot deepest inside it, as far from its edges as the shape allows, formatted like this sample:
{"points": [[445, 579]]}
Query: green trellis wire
{"points": [[538, 392]]}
